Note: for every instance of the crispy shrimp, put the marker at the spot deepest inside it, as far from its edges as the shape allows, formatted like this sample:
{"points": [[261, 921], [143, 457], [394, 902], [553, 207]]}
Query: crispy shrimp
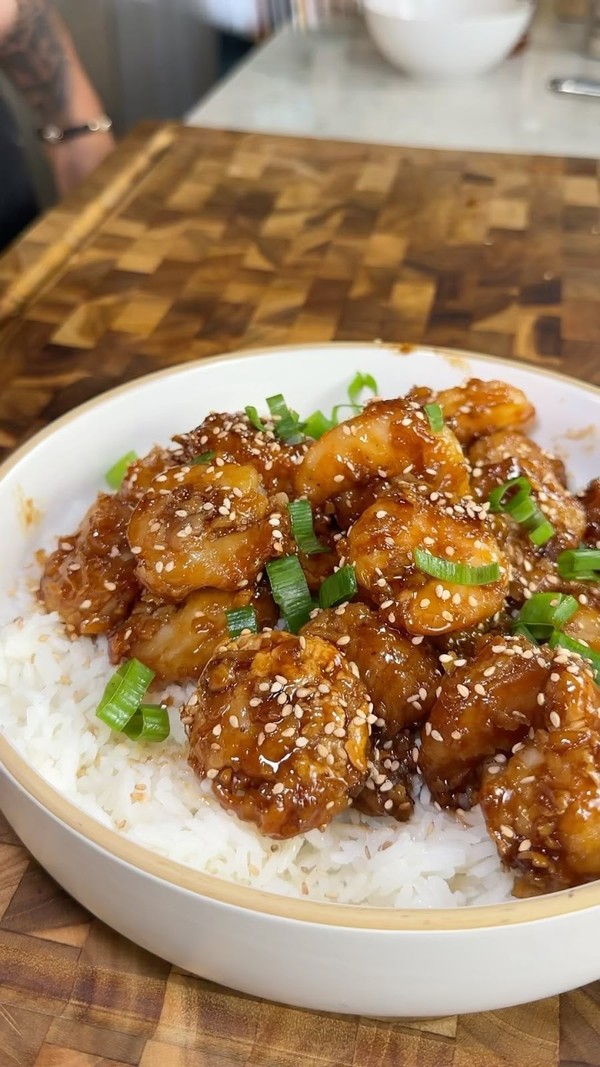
{"points": [[542, 807], [584, 626], [279, 725], [509, 454], [141, 473], [400, 677], [484, 708], [391, 767], [199, 527], [482, 407], [90, 578], [390, 437], [381, 546], [236, 440], [177, 640]]}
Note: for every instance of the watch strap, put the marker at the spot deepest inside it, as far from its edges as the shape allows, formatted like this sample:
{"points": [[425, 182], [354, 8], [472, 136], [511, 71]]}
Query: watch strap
{"points": [[54, 135]]}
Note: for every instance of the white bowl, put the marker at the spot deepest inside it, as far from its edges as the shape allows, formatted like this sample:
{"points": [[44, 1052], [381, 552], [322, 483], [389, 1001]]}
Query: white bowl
{"points": [[337, 958], [446, 38]]}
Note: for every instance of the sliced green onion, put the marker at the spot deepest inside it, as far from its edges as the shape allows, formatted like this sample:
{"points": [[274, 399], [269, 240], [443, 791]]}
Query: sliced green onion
{"points": [[564, 641], [149, 723], [239, 619], [287, 423], [579, 564], [317, 424], [522, 508], [544, 613], [302, 528], [520, 630], [254, 418], [456, 573], [359, 383], [124, 694], [204, 457], [290, 590], [117, 472], [498, 496], [436, 417], [541, 532], [339, 586]]}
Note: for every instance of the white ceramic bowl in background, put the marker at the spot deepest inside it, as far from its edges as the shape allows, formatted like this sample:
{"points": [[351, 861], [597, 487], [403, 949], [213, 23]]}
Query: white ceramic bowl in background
{"points": [[316, 955], [446, 38]]}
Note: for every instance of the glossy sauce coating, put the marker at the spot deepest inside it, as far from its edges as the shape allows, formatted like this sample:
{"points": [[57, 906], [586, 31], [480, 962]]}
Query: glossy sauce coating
{"points": [[381, 546], [279, 725], [388, 438], [90, 578], [543, 806], [388, 788], [399, 676], [201, 526]]}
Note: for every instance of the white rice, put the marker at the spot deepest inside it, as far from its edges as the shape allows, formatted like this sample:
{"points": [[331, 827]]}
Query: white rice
{"points": [[49, 691]]}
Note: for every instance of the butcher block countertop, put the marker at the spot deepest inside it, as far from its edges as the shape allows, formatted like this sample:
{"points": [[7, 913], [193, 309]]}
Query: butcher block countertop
{"points": [[191, 242]]}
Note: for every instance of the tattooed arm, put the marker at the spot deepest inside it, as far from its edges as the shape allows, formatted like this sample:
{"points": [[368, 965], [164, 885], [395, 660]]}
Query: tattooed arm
{"points": [[38, 57]]}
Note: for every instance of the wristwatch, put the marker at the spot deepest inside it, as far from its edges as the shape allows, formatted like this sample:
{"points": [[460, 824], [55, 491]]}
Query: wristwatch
{"points": [[53, 135]]}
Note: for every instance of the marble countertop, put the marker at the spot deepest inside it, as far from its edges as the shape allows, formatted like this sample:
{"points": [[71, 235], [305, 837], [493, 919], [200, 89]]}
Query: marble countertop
{"points": [[332, 83]]}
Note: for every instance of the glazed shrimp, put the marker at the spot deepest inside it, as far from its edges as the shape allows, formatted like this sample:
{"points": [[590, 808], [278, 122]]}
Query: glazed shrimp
{"points": [[482, 407], [381, 546], [590, 499], [176, 641], [199, 527], [90, 578], [400, 678], [236, 440], [389, 438], [485, 707], [279, 725], [510, 454], [542, 807]]}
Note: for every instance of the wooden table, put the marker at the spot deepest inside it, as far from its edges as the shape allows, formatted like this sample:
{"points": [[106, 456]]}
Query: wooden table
{"points": [[191, 242]]}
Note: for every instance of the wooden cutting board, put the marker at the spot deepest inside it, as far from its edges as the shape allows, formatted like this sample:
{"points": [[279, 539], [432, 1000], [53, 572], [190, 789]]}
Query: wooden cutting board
{"points": [[190, 242]]}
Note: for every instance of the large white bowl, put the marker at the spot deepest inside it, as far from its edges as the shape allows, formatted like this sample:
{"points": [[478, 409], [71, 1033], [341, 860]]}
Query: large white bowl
{"points": [[324, 956], [446, 38]]}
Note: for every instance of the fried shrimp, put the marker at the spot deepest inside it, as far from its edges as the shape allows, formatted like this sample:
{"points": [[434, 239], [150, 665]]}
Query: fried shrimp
{"points": [[279, 725], [543, 806], [201, 526], [509, 454], [484, 708], [90, 579], [399, 677], [382, 543], [235, 439], [388, 438], [482, 407], [176, 641]]}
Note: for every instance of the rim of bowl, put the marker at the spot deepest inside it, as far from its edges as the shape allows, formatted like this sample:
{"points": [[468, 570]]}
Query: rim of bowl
{"points": [[353, 916], [516, 7]]}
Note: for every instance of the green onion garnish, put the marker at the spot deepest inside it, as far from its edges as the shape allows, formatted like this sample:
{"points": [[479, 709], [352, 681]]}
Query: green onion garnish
{"points": [[564, 641], [254, 418], [239, 619], [521, 506], [436, 417], [149, 723], [520, 630], [339, 586], [117, 472], [204, 457], [579, 564], [287, 423], [124, 694], [317, 424], [290, 590], [455, 573], [358, 384], [544, 613], [302, 527]]}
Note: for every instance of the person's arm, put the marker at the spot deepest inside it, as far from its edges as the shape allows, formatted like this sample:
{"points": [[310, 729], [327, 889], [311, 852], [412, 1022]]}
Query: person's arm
{"points": [[39, 59]]}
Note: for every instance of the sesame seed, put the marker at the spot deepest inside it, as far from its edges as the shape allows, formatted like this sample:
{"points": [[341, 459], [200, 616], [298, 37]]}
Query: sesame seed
{"points": [[212, 773], [541, 699], [525, 845], [278, 788], [480, 689], [301, 742], [341, 641], [436, 735], [270, 727], [507, 831], [85, 604], [456, 735], [554, 719], [462, 689], [234, 721], [425, 602], [338, 477], [447, 615]]}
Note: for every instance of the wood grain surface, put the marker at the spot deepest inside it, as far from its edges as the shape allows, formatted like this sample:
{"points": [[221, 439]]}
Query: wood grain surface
{"points": [[190, 242]]}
